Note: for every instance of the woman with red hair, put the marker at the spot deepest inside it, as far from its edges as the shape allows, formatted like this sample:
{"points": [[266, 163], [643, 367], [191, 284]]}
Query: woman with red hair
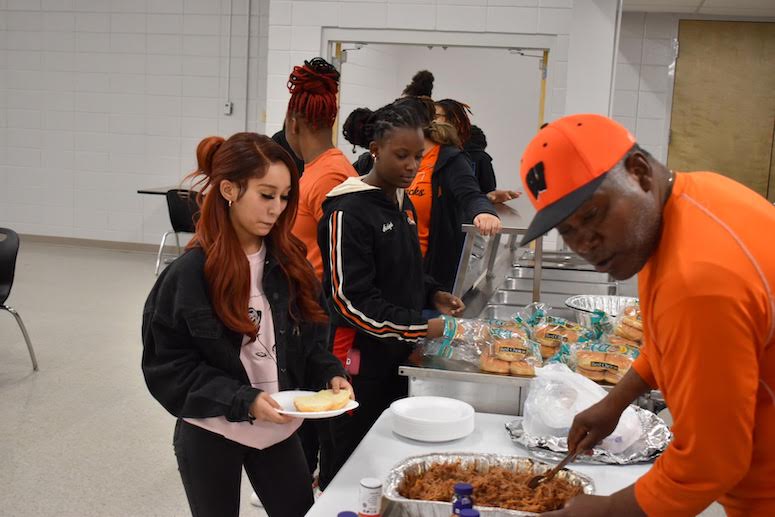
{"points": [[233, 320], [309, 131]]}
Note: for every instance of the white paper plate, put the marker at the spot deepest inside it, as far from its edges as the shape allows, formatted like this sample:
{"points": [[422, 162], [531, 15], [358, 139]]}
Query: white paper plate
{"points": [[285, 399], [432, 419]]}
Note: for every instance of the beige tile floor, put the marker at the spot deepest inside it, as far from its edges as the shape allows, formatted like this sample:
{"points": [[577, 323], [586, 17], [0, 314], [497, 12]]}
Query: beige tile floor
{"points": [[82, 437]]}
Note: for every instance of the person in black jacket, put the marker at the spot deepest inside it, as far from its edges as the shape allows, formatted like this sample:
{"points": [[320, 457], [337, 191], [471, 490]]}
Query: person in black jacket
{"points": [[482, 162], [232, 321], [279, 137], [373, 275], [445, 194], [474, 143]]}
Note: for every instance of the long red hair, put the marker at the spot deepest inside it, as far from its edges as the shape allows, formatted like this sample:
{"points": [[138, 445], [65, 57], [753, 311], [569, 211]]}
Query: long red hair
{"points": [[227, 272]]}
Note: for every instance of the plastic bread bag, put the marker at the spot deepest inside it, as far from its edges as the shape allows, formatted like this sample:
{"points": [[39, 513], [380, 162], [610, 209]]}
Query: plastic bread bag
{"points": [[553, 332], [469, 352], [468, 330], [513, 325], [563, 355], [629, 325], [604, 361], [602, 324], [520, 354], [533, 314], [557, 395], [461, 340]]}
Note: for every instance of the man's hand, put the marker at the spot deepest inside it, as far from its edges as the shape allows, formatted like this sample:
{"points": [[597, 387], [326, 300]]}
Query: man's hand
{"points": [[622, 502], [264, 408], [340, 383], [501, 196], [447, 303], [584, 506], [592, 425]]}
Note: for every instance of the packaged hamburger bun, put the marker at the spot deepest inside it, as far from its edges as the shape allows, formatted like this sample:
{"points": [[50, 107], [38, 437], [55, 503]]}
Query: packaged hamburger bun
{"points": [[510, 345], [628, 332], [554, 332], [629, 324], [490, 363], [604, 361], [522, 368], [618, 340]]}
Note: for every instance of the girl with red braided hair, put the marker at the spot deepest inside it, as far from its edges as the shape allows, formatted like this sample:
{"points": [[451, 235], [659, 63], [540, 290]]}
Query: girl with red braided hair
{"points": [[309, 131]]}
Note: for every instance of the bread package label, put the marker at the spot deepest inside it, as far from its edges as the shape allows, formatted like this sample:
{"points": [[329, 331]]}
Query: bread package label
{"points": [[604, 365]]}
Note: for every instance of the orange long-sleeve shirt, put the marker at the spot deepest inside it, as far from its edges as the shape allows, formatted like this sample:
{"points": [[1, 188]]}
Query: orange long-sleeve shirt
{"points": [[320, 176], [709, 325]]}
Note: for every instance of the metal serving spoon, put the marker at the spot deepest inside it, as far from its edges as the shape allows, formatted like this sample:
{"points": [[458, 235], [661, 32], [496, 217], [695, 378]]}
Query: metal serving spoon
{"points": [[546, 476]]}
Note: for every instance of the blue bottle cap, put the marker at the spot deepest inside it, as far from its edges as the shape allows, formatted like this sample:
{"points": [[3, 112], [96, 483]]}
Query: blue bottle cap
{"points": [[469, 512], [346, 514], [463, 488]]}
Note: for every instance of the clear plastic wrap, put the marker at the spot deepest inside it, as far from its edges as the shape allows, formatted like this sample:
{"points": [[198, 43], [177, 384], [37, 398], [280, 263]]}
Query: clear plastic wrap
{"points": [[628, 326], [558, 394]]}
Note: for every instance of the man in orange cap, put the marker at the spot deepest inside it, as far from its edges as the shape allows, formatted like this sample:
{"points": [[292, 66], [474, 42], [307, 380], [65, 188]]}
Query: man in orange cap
{"points": [[702, 247]]}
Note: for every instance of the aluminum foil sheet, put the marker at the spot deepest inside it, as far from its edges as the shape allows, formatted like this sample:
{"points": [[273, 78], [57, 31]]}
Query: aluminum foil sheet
{"points": [[584, 305], [656, 437], [418, 464]]}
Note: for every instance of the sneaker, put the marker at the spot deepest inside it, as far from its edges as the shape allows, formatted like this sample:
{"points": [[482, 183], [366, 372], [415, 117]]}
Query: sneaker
{"points": [[255, 501]]}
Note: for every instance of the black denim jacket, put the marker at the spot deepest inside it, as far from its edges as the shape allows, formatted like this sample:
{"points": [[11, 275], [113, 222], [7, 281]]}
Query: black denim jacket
{"points": [[191, 359]]}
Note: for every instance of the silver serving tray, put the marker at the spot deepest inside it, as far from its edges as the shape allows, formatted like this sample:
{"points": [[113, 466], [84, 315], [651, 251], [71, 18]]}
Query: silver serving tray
{"points": [[403, 507], [585, 305], [656, 438]]}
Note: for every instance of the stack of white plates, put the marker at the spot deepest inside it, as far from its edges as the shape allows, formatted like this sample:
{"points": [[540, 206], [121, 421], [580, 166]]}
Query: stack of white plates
{"points": [[432, 419]]}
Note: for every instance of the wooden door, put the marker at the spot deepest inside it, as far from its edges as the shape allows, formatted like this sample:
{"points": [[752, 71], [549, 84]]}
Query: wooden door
{"points": [[723, 113]]}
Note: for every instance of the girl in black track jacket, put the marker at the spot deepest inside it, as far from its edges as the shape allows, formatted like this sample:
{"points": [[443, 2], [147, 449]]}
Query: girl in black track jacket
{"points": [[373, 278]]}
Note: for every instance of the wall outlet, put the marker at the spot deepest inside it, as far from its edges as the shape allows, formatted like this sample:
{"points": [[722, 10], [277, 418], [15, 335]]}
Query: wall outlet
{"points": [[228, 108]]}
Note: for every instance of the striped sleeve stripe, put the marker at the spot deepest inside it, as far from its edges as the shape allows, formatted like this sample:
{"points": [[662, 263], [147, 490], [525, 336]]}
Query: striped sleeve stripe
{"points": [[348, 310]]}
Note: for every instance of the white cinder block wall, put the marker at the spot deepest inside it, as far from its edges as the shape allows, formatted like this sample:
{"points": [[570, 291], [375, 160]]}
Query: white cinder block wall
{"points": [[295, 31], [644, 78], [370, 79], [503, 90], [99, 98]]}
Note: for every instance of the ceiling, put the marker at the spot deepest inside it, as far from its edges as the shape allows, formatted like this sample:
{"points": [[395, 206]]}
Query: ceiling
{"points": [[756, 8]]}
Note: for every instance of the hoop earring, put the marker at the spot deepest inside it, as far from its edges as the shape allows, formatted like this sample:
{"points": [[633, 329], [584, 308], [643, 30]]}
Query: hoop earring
{"points": [[230, 203]]}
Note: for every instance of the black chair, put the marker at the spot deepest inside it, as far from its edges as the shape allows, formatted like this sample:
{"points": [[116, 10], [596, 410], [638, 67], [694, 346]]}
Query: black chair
{"points": [[183, 213], [9, 248]]}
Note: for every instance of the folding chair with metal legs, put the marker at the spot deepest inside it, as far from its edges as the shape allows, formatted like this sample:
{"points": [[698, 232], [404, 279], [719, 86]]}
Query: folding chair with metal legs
{"points": [[160, 255], [24, 333]]}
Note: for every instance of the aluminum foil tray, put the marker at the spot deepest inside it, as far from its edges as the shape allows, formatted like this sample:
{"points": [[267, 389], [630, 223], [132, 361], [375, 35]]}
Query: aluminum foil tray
{"points": [[656, 434], [584, 305], [404, 507]]}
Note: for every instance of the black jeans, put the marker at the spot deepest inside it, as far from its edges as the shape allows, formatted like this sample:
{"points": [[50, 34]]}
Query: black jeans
{"points": [[374, 396], [211, 469], [315, 436]]}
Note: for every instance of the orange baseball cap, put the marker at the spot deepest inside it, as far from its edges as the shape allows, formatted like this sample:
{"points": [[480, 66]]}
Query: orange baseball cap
{"points": [[566, 162]]}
